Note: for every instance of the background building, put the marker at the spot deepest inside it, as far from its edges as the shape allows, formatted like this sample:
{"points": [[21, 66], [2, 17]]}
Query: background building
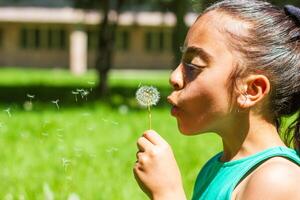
{"points": [[44, 34]]}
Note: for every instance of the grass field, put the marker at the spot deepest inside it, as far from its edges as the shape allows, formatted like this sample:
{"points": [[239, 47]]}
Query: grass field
{"points": [[86, 147]]}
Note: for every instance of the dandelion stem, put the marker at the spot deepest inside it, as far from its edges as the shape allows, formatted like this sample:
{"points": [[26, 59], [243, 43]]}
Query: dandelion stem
{"points": [[149, 115]]}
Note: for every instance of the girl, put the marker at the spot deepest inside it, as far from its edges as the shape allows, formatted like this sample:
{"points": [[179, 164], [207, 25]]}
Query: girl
{"points": [[239, 75]]}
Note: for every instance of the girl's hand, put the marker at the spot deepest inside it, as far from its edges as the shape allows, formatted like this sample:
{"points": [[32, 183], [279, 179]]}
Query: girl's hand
{"points": [[156, 170]]}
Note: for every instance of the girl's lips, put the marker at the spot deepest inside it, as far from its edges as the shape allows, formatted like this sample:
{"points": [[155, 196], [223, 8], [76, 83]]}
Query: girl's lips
{"points": [[175, 108], [174, 111]]}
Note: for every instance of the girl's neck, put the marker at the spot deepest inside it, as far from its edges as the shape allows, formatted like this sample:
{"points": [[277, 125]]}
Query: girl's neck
{"points": [[250, 135]]}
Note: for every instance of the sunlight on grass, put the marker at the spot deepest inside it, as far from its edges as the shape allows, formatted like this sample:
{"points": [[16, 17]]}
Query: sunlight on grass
{"points": [[87, 148]]}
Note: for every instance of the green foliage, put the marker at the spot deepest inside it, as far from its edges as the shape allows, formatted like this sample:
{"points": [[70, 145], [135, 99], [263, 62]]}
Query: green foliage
{"points": [[86, 147]]}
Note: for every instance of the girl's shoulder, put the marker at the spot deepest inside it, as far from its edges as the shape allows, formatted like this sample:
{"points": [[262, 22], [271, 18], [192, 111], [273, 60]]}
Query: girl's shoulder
{"points": [[277, 178]]}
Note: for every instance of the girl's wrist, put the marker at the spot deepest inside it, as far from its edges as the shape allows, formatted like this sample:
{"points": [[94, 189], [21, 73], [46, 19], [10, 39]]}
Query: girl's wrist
{"points": [[174, 195]]}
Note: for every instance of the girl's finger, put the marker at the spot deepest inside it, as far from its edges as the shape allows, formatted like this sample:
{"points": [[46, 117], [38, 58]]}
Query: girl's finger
{"points": [[154, 137], [143, 144]]}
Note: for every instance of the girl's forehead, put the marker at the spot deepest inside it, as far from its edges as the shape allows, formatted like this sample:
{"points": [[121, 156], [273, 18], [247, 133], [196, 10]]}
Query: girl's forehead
{"points": [[216, 24], [204, 29]]}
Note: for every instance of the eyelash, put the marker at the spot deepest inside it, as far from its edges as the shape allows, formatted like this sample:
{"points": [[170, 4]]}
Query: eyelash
{"points": [[191, 70], [192, 67]]}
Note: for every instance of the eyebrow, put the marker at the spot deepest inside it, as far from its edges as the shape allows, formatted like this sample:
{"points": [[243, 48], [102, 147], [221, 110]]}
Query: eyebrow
{"points": [[197, 50]]}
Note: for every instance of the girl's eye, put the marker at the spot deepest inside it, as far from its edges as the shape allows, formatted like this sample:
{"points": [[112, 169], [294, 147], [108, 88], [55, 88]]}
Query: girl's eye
{"points": [[191, 70]]}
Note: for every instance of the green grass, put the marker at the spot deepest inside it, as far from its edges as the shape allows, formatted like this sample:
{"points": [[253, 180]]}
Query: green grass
{"points": [[85, 147]]}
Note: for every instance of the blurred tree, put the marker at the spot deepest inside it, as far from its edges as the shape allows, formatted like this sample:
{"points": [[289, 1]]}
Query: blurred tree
{"points": [[106, 36], [206, 3], [180, 9], [108, 27]]}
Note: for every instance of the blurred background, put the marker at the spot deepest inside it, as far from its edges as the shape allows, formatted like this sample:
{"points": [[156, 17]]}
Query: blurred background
{"points": [[69, 70]]}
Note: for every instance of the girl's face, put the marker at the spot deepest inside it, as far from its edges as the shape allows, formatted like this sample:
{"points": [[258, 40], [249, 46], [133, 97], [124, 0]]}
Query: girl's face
{"points": [[201, 98]]}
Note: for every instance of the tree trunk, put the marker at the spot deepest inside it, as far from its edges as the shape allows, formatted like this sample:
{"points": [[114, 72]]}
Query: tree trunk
{"points": [[180, 29], [106, 42]]}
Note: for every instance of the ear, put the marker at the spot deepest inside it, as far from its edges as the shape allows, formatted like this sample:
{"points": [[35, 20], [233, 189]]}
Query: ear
{"points": [[254, 89]]}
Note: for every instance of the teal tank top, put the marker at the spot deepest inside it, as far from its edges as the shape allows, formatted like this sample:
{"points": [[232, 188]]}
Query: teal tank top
{"points": [[217, 180]]}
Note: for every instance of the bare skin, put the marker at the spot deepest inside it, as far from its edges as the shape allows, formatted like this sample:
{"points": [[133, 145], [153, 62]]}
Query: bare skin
{"points": [[202, 103]]}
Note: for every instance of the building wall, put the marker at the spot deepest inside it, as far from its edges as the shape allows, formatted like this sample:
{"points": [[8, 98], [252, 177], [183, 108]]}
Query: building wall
{"points": [[12, 53], [138, 56], [137, 52]]}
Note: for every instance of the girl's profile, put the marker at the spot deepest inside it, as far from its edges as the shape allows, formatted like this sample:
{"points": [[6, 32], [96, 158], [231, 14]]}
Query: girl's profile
{"points": [[238, 77]]}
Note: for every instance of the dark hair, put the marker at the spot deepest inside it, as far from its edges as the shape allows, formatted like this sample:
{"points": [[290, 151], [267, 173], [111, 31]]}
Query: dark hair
{"points": [[271, 46]]}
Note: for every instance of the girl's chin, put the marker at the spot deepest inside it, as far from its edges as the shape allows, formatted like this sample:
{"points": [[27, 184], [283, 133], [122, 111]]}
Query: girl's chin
{"points": [[190, 131], [187, 132]]}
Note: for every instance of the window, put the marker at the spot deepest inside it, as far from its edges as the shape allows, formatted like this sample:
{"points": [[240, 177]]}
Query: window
{"points": [[24, 38], [38, 38], [149, 41], [1, 38], [62, 35], [92, 37], [50, 43], [122, 40], [161, 39], [156, 41]]}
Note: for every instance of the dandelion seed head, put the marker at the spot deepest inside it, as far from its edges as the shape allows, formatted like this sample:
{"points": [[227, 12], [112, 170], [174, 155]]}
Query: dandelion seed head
{"points": [[147, 96]]}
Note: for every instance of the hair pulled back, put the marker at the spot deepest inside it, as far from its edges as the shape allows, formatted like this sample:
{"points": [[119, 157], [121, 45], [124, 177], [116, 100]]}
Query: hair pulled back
{"points": [[271, 47]]}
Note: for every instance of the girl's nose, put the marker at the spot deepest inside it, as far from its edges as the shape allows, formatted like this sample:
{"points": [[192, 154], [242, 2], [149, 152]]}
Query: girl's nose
{"points": [[176, 78]]}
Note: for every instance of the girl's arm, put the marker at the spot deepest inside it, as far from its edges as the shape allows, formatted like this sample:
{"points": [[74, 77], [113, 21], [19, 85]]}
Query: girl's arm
{"points": [[156, 170]]}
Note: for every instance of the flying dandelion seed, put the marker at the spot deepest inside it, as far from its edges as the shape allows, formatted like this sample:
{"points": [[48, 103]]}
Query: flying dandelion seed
{"points": [[21, 197], [8, 196], [56, 103], [86, 114], [91, 128], [84, 94], [147, 96], [73, 196], [112, 150], [91, 83], [75, 94], [28, 106], [59, 137], [30, 96], [110, 121], [48, 194], [65, 163], [59, 130], [45, 134], [123, 109], [8, 112]]}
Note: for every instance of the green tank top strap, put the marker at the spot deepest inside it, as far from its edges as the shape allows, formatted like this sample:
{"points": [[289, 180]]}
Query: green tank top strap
{"points": [[260, 158], [217, 179]]}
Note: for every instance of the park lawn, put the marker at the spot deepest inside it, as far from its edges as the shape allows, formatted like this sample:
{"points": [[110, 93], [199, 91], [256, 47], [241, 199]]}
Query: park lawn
{"points": [[86, 148]]}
